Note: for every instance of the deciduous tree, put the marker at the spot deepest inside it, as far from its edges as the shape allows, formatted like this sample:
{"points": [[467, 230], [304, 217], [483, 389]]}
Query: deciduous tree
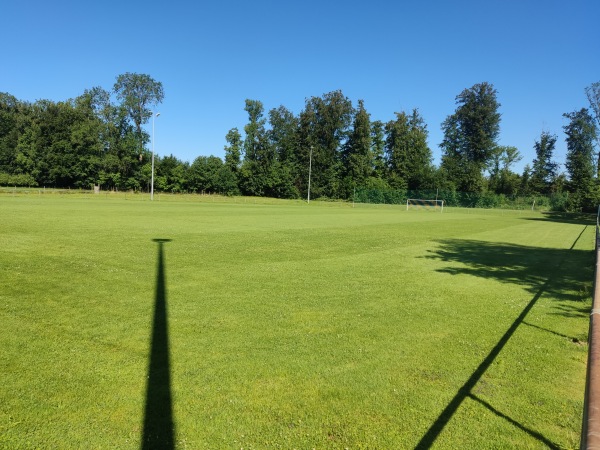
{"points": [[259, 166], [544, 169], [470, 136], [138, 92], [357, 156], [283, 138], [378, 148], [502, 179], [234, 149], [581, 133], [324, 127], [407, 153], [593, 94]]}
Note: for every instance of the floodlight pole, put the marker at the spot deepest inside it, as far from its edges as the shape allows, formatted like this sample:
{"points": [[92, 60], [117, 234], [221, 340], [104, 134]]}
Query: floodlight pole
{"points": [[152, 182], [309, 172]]}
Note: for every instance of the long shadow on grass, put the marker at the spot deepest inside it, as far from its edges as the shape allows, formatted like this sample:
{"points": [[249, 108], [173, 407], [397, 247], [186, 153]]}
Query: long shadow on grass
{"points": [[529, 431], [159, 427], [540, 270], [555, 333]]}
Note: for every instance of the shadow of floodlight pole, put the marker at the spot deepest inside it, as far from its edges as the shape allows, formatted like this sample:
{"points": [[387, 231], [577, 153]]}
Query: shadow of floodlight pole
{"points": [[436, 428], [159, 427]]}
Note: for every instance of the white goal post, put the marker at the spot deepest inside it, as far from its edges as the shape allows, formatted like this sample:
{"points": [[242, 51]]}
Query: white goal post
{"points": [[421, 203]]}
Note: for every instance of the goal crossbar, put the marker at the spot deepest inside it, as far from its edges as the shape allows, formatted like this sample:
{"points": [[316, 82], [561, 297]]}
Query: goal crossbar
{"points": [[425, 203]]}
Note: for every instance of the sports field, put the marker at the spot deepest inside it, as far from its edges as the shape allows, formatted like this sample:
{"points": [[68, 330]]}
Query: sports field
{"points": [[286, 325]]}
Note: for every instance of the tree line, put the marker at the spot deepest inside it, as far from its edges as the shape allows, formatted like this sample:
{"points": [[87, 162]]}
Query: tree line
{"points": [[97, 139], [94, 139]]}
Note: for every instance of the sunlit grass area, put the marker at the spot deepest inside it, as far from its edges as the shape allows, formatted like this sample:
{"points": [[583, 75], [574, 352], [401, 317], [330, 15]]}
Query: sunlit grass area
{"points": [[287, 325]]}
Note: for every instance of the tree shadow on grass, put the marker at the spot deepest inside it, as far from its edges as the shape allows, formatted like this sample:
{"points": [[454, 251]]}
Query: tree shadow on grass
{"points": [[159, 427], [542, 271], [562, 217], [572, 310], [522, 265]]}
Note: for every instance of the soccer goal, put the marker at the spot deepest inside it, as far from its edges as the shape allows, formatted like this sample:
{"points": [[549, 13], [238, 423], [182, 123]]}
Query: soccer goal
{"points": [[420, 203]]}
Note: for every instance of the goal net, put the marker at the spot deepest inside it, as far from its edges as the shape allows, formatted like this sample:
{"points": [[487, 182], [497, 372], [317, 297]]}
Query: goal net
{"points": [[420, 203]]}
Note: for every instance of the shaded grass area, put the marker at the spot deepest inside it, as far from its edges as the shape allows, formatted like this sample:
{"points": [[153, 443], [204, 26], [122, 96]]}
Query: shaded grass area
{"points": [[291, 326]]}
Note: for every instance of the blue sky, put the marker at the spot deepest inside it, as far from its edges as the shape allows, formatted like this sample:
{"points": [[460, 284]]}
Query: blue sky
{"points": [[395, 55]]}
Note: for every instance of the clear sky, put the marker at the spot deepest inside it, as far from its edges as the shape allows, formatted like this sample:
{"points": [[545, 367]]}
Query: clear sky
{"points": [[395, 55]]}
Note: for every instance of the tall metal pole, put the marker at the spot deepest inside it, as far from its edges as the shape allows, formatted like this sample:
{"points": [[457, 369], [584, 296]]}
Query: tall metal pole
{"points": [[309, 172], [152, 182]]}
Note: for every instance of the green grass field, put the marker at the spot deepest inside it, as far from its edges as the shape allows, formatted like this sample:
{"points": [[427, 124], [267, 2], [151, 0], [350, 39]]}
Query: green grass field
{"points": [[286, 325]]}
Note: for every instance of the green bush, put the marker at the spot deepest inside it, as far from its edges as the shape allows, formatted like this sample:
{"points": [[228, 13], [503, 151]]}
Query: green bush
{"points": [[21, 180]]}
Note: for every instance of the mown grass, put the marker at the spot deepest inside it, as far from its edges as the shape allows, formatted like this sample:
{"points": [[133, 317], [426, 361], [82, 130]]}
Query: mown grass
{"points": [[291, 325]]}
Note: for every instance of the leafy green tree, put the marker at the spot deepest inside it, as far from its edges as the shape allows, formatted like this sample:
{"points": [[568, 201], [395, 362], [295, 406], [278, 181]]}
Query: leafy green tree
{"points": [[479, 121], [100, 103], [259, 155], [68, 146], [15, 117], [123, 163], [324, 127], [26, 154], [420, 154], [138, 92], [205, 174], [283, 134], [307, 140], [86, 142], [409, 158], [455, 170], [233, 151], [581, 134], [593, 94], [173, 174], [559, 184], [283, 138], [74, 143], [20, 141], [357, 157], [525, 185], [262, 172], [396, 150], [378, 148], [228, 182], [544, 171], [502, 179], [233, 162], [470, 136], [255, 131]]}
